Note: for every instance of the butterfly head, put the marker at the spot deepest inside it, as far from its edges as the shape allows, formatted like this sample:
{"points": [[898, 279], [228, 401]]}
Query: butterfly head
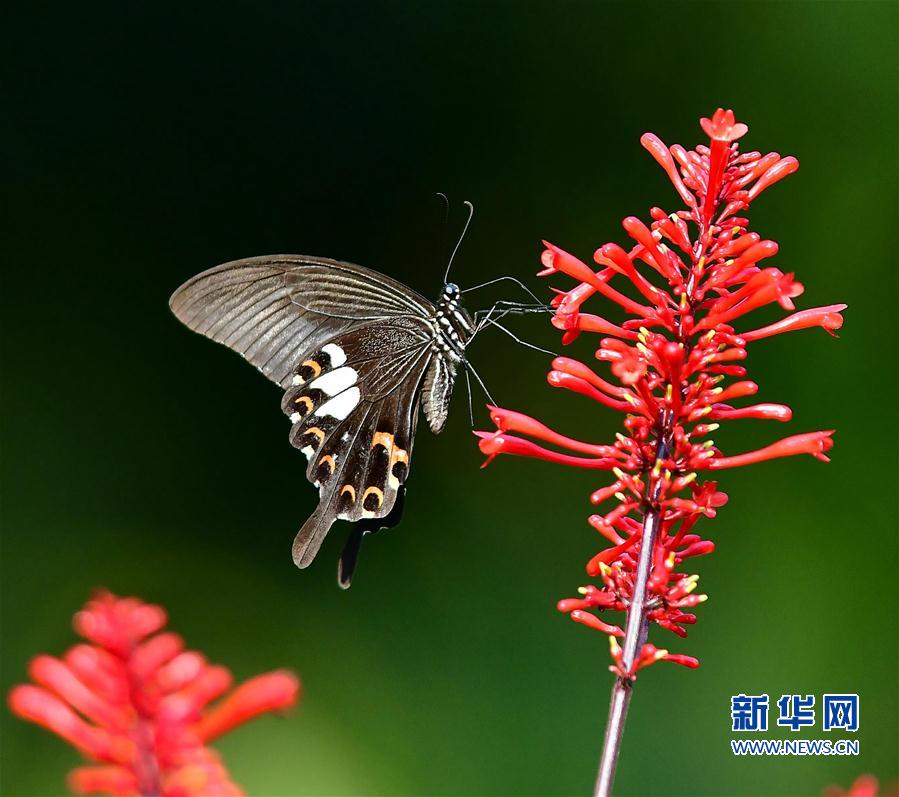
{"points": [[451, 292]]}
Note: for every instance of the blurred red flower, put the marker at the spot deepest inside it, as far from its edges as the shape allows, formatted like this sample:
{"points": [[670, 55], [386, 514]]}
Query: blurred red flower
{"points": [[864, 786], [139, 704], [687, 280]]}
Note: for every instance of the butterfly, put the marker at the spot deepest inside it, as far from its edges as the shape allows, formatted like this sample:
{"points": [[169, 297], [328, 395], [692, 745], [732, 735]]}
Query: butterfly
{"points": [[357, 354]]}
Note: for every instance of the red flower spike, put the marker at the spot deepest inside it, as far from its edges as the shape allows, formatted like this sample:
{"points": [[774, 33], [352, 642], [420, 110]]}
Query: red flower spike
{"points": [[671, 360], [139, 705]]}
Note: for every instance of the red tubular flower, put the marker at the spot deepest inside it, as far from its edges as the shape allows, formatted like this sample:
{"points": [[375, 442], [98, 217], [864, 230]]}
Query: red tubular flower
{"points": [[139, 705], [686, 279]]}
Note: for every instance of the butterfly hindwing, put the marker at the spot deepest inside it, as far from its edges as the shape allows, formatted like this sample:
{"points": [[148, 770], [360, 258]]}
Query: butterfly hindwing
{"points": [[353, 410]]}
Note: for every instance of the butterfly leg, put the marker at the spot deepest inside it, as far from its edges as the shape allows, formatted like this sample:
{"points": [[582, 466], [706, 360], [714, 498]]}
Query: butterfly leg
{"points": [[518, 340], [506, 278], [480, 381], [470, 400]]}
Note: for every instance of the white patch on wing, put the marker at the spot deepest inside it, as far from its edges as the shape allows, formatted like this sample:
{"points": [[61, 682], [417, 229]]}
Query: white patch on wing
{"points": [[308, 451], [297, 380], [341, 405], [296, 417], [335, 382], [335, 354]]}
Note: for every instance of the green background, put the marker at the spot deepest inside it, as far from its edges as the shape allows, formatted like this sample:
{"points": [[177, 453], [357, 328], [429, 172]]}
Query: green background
{"points": [[146, 145]]}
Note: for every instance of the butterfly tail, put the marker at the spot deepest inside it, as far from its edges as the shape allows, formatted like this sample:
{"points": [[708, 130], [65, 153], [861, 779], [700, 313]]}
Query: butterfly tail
{"points": [[309, 538], [346, 565]]}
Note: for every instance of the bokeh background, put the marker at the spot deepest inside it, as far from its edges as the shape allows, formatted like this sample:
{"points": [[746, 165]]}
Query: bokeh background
{"points": [[146, 144]]}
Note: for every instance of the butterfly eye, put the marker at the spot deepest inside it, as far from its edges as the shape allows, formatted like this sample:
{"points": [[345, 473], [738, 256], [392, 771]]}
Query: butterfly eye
{"points": [[451, 290]]}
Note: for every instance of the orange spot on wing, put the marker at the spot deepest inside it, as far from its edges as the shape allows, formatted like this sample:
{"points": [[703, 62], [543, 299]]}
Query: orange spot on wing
{"points": [[316, 368], [306, 401], [382, 439], [376, 492]]}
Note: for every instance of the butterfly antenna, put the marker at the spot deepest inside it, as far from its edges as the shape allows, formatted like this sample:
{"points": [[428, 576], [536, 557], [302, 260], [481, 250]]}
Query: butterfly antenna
{"points": [[445, 202], [518, 340], [449, 265]]}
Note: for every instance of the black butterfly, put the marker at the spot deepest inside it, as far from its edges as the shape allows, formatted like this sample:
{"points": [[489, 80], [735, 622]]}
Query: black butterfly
{"points": [[357, 353]]}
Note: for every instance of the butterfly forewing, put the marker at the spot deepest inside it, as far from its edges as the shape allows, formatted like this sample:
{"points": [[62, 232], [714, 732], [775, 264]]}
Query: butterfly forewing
{"points": [[275, 309]]}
